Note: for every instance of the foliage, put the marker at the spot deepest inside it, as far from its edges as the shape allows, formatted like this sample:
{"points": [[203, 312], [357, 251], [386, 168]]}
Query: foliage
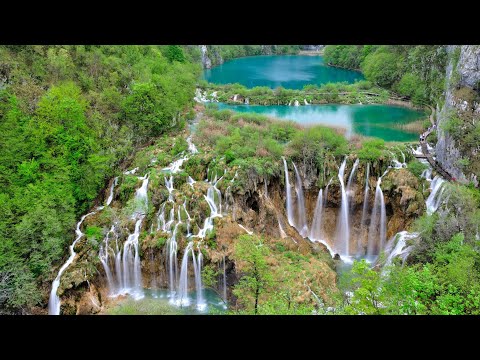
{"points": [[250, 253], [416, 167], [68, 116], [371, 150], [415, 71]]}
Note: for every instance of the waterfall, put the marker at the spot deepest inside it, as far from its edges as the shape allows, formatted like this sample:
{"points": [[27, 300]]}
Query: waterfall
{"points": [[110, 196], [343, 228], [364, 211], [247, 101], [190, 181], [235, 97], [296, 103], [131, 172], [169, 186], [132, 275], [172, 261], [350, 193], [396, 246], [54, 300], [305, 102], [316, 228], [103, 256], [290, 215], [197, 269], [249, 232], [325, 197], [191, 146], [435, 198], [301, 223], [183, 299], [378, 223]]}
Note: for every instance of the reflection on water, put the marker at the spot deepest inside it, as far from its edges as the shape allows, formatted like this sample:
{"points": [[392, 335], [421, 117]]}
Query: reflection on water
{"points": [[367, 120], [288, 71]]}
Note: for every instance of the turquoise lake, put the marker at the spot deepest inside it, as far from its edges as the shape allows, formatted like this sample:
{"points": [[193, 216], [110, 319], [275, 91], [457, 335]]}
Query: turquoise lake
{"points": [[367, 120], [288, 71]]}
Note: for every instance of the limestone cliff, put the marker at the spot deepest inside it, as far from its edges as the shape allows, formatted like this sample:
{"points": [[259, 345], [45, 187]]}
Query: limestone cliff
{"points": [[458, 149]]}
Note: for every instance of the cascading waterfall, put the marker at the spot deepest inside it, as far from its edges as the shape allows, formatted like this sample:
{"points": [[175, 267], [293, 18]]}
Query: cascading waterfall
{"points": [[435, 198], [169, 186], [290, 215], [110, 196], [360, 251], [397, 246], [197, 269], [301, 223], [316, 232], [343, 227], [378, 223], [350, 179], [183, 299], [54, 301], [104, 259]]}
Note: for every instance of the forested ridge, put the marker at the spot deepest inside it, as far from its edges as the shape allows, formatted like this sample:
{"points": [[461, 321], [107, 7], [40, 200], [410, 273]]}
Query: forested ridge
{"points": [[69, 115], [414, 71]]}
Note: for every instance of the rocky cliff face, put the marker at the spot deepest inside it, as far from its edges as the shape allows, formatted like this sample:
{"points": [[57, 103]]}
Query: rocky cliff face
{"points": [[458, 149]]}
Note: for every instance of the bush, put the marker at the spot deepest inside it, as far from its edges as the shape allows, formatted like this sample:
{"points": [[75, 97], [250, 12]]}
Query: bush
{"points": [[416, 167], [371, 150]]}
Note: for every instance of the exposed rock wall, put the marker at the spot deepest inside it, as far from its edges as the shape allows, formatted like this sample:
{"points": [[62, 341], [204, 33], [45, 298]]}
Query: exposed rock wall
{"points": [[456, 152]]}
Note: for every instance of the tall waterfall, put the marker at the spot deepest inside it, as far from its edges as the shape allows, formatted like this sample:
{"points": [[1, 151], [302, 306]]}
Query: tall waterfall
{"points": [[343, 227], [54, 301], [378, 223], [290, 215], [110, 196], [350, 179], [435, 198], [182, 298], [301, 223], [316, 232], [364, 211], [105, 248]]}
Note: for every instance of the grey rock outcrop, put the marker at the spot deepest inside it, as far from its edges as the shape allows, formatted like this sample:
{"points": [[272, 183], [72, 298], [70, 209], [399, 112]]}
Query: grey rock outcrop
{"points": [[461, 100]]}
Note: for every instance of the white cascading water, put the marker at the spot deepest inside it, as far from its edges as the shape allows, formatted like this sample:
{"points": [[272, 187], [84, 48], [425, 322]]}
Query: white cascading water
{"points": [[290, 215], [131, 269], [360, 250], [197, 268], [190, 181], [316, 232], [169, 186], [110, 196], [305, 102], [182, 298], [343, 227], [54, 301], [378, 223], [301, 223], [350, 192], [399, 248], [435, 198], [104, 258], [296, 103]]}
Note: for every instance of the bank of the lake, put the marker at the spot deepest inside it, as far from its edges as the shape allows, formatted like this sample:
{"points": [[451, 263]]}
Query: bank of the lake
{"points": [[383, 121]]}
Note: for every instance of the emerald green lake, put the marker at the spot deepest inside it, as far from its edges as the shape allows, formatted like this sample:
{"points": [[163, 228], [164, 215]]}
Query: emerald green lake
{"points": [[288, 71], [367, 120]]}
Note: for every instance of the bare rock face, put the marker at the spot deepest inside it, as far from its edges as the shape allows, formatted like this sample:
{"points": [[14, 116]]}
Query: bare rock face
{"points": [[462, 100]]}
